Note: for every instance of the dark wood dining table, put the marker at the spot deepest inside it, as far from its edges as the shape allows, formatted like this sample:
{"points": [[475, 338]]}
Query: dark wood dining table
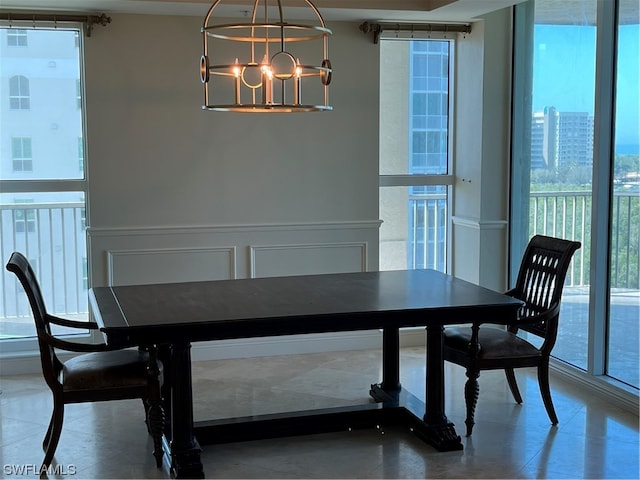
{"points": [[174, 315]]}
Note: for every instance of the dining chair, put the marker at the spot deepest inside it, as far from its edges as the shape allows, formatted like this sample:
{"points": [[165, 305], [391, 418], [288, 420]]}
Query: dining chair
{"points": [[98, 373], [539, 285]]}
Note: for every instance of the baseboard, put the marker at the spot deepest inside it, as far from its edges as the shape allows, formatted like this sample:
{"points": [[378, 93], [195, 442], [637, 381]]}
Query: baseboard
{"points": [[24, 363], [623, 396]]}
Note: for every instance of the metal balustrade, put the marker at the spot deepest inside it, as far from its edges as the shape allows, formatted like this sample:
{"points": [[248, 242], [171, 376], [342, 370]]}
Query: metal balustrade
{"points": [[428, 230], [52, 236], [568, 215]]}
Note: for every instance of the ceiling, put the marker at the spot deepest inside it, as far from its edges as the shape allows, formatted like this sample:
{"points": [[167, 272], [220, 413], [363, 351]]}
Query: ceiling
{"points": [[347, 10]]}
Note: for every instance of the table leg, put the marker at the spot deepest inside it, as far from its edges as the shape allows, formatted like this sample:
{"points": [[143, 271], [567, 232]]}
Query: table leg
{"points": [[441, 433], [164, 355], [388, 390], [185, 450]]}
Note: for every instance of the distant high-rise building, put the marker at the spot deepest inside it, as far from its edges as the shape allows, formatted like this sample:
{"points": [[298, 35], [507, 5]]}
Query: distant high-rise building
{"points": [[550, 143], [561, 139], [429, 110], [575, 138], [537, 141], [544, 139]]}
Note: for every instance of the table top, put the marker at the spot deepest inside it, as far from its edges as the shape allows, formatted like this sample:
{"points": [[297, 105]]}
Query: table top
{"points": [[244, 308]]}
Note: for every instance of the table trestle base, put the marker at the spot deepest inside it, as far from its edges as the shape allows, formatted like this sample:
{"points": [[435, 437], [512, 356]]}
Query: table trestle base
{"points": [[402, 409]]}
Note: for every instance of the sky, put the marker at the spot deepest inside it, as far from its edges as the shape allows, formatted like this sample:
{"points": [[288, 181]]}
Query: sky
{"points": [[564, 74]]}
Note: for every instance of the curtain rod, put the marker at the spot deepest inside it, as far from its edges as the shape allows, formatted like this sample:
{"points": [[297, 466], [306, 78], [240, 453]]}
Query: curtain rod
{"points": [[88, 20], [378, 28]]}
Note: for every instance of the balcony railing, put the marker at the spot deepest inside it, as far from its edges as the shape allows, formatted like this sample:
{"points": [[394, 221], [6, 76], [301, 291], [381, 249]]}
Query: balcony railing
{"points": [[428, 230], [557, 214], [52, 236], [568, 215]]}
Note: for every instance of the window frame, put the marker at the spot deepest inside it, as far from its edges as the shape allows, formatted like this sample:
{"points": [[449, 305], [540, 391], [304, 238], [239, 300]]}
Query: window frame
{"points": [[447, 179]]}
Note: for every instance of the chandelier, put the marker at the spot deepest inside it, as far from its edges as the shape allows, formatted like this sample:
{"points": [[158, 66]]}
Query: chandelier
{"points": [[263, 65]]}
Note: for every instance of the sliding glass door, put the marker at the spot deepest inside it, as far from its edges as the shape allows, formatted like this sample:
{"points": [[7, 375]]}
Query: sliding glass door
{"points": [[575, 169]]}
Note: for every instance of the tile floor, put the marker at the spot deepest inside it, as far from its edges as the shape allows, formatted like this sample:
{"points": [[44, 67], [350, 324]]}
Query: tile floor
{"points": [[109, 440]]}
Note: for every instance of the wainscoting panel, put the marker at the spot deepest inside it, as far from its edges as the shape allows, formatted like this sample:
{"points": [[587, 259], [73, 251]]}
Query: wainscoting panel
{"points": [[136, 267], [283, 260], [260, 250]]}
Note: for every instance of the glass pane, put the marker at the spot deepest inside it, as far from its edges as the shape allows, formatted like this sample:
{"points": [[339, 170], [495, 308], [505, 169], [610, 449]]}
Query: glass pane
{"points": [[44, 121], [414, 132], [49, 229], [414, 89], [624, 308], [414, 229], [564, 41]]}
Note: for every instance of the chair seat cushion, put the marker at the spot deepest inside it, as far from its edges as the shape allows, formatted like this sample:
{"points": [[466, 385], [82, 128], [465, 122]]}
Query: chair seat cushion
{"points": [[495, 343], [105, 370]]}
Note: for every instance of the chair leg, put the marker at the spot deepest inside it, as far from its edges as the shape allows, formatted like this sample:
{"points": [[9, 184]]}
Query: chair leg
{"points": [[145, 403], [471, 393], [47, 437], [545, 391], [513, 385], [53, 433], [156, 427]]}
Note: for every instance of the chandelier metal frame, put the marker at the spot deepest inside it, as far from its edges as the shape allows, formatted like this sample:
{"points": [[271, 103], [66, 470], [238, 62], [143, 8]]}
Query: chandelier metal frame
{"points": [[266, 76]]}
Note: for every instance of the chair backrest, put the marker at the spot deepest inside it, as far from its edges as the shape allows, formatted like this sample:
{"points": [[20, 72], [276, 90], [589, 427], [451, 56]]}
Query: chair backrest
{"points": [[21, 267], [540, 282]]}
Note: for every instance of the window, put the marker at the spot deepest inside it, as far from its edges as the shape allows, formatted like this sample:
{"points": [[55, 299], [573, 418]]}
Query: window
{"points": [[16, 38], [579, 86], [21, 154], [24, 220], [47, 172], [19, 93], [415, 178]]}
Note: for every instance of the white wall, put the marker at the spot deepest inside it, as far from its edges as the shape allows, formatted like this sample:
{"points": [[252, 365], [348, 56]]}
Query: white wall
{"points": [[156, 160]]}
